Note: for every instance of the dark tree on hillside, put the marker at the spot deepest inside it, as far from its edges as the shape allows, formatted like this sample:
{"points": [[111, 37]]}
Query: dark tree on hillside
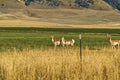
{"points": [[50, 2], [84, 3], [27, 2], [54, 2]]}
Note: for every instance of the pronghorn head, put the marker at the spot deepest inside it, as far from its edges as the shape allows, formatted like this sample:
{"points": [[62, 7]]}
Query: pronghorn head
{"points": [[52, 38], [73, 41], [63, 38], [108, 35]]}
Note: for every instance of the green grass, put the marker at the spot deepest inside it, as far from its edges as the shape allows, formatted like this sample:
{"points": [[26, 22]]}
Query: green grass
{"points": [[21, 38], [65, 30]]}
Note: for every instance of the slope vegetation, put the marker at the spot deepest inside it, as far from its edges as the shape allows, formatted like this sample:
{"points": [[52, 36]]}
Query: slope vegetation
{"points": [[96, 4]]}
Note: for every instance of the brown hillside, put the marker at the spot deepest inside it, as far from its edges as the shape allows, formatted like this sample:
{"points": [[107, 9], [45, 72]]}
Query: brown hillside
{"points": [[11, 4], [98, 4], [86, 18], [101, 5], [16, 14]]}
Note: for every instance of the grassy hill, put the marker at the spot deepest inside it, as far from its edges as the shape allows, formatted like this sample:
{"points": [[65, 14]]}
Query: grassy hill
{"points": [[61, 18], [98, 4], [14, 4], [16, 14]]}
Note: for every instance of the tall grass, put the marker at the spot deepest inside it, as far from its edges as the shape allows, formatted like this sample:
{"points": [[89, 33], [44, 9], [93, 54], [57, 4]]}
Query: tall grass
{"points": [[60, 64]]}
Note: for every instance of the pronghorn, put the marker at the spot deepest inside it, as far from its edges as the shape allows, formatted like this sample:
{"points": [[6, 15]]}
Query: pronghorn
{"points": [[67, 42], [55, 42], [113, 43]]}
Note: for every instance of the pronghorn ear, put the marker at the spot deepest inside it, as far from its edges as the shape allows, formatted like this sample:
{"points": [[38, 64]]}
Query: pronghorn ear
{"points": [[52, 36], [62, 36], [108, 35]]}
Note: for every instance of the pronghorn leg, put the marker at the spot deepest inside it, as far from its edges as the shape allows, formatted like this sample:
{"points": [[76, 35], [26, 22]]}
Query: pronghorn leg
{"points": [[63, 45], [113, 47], [118, 46], [55, 47]]}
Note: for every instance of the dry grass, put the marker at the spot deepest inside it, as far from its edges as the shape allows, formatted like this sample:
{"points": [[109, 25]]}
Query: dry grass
{"points": [[27, 23], [98, 4], [60, 64], [60, 18]]}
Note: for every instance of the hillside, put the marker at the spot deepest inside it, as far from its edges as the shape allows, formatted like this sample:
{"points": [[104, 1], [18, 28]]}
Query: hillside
{"points": [[85, 18], [16, 14], [13, 4], [114, 3], [93, 4]]}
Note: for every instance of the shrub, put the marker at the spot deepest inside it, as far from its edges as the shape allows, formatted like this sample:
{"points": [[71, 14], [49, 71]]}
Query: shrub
{"points": [[84, 3]]}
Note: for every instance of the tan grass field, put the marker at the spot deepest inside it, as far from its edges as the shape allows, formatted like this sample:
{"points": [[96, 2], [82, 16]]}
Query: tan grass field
{"points": [[75, 18], [27, 23], [60, 64]]}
